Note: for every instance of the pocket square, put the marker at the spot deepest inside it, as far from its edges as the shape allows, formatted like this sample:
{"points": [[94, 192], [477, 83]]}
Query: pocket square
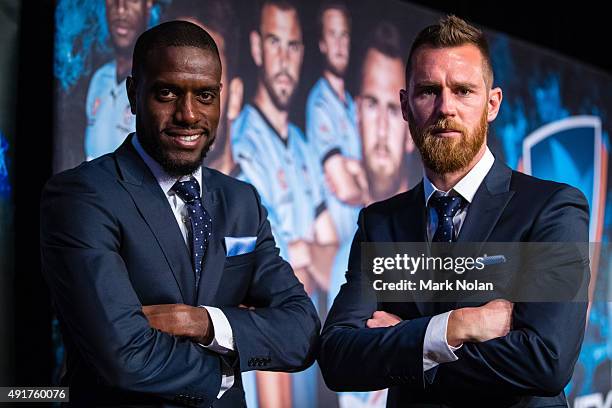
{"points": [[239, 245], [493, 260]]}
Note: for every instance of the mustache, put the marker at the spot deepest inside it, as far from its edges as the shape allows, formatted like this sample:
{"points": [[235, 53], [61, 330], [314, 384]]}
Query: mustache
{"points": [[381, 147], [444, 124], [284, 74]]}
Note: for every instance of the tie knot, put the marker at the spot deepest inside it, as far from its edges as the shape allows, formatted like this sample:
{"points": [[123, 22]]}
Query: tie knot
{"points": [[446, 206], [188, 191]]}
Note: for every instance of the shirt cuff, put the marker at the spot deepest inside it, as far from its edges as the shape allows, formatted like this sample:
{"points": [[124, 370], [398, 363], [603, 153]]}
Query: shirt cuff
{"points": [[223, 342], [436, 349], [227, 378]]}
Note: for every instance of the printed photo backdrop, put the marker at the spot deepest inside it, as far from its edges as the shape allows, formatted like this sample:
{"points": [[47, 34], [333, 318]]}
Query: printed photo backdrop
{"points": [[311, 117], [9, 34]]}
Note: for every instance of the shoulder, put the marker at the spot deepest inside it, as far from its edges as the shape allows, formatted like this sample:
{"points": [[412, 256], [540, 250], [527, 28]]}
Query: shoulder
{"points": [[246, 127], [91, 175], [236, 193], [102, 76], [535, 190], [401, 202], [317, 93], [296, 132]]}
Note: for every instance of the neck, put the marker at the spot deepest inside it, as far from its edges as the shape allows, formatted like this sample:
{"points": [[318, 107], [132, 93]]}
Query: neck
{"points": [[336, 82], [378, 194], [123, 66], [446, 181], [278, 118]]}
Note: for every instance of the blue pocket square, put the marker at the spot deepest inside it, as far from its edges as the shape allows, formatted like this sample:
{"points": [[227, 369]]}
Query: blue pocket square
{"points": [[239, 245], [493, 260]]}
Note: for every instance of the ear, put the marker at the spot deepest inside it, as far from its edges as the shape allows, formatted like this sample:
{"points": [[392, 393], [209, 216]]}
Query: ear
{"points": [[409, 145], [256, 51], [322, 47], [404, 103], [130, 86], [493, 104]]}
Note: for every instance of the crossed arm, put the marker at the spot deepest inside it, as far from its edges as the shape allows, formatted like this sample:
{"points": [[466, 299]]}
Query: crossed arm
{"points": [[521, 349]]}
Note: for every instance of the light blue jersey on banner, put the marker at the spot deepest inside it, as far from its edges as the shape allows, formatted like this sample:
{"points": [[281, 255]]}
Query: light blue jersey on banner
{"points": [[287, 176], [331, 127], [109, 119], [285, 173]]}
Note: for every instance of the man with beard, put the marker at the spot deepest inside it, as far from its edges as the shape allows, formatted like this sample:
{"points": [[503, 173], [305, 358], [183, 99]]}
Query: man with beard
{"points": [[384, 133], [107, 107], [332, 124], [219, 20], [150, 257], [462, 353], [275, 158]]}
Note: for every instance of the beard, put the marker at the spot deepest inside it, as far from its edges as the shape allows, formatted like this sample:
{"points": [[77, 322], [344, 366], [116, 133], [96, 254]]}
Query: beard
{"points": [[174, 166], [383, 186], [335, 69], [383, 182], [281, 102], [444, 154]]}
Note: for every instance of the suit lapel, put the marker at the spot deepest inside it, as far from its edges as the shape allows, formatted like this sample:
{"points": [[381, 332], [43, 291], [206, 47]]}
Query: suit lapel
{"points": [[214, 258], [486, 208], [488, 204], [157, 213]]}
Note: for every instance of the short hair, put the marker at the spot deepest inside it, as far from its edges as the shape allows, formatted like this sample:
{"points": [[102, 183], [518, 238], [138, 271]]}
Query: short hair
{"points": [[452, 31], [284, 5], [218, 15], [332, 5], [386, 39], [170, 34]]}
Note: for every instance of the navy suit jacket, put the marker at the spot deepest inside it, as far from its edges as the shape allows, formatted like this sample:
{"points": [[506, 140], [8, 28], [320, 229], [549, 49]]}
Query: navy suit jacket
{"points": [[111, 244], [528, 367]]}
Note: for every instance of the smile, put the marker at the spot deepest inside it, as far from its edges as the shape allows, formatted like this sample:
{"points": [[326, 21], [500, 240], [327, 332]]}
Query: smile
{"points": [[189, 138]]}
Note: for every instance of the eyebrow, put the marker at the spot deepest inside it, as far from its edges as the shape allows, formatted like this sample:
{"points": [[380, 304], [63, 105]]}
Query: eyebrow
{"points": [[436, 85], [163, 84]]}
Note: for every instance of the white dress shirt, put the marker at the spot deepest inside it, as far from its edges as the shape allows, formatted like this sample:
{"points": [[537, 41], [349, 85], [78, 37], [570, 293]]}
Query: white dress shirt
{"points": [[436, 349], [223, 342]]}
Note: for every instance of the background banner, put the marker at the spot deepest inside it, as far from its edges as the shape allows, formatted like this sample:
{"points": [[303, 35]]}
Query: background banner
{"points": [[311, 117], [9, 33]]}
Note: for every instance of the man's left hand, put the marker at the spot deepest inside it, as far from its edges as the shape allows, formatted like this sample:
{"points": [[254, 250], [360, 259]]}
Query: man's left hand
{"points": [[383, 319], [182, 321]]}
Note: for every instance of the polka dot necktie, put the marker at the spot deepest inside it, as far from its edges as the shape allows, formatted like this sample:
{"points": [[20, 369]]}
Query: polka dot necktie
{"points": [[201, 223], [446, 207]]}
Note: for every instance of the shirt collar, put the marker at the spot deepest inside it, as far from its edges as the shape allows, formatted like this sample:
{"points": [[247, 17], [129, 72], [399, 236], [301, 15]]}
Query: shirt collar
{"points": [[468, 185], [165, 181]]}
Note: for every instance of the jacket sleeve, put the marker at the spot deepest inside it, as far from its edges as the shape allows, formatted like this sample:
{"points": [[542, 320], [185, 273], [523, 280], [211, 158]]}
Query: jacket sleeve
{"points": [[356, 358], [281, 330]]}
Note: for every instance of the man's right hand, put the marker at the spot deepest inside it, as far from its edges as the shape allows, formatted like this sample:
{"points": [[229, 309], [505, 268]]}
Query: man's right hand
{"points": [[478, 324], [341, 181], [299, 254]]}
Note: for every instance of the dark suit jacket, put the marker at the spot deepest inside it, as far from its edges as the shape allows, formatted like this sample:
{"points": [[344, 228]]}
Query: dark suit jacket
{"points": [[110, 244], [528, 367]]}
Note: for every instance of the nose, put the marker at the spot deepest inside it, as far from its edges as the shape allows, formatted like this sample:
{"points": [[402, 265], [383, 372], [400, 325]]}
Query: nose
{"points": [[283, 56], [446, 103], [120, 4], [382, 124], [186, 113]]}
